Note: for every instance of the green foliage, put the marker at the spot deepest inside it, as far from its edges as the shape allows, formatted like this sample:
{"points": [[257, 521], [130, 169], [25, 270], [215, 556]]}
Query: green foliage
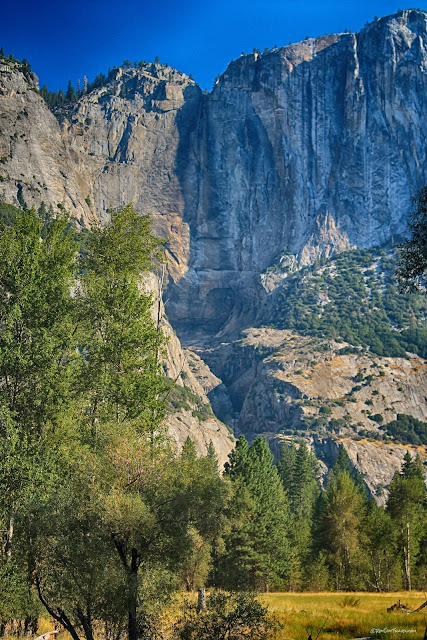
{"points": [[382, 571], [349, 601], [36, 369], [121, 344], [412, 269], [339, 530], [298, 471], [354, 297], [84, 470], [36, 318], [183, 398], [9, 213], [58, 101], [70, 95], [256, 553], [407, 429], [406, 506], [234, 616]]}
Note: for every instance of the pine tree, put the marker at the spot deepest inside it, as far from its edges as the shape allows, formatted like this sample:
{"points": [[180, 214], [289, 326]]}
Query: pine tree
{"points": [[212, 456], [237, 459], [257, 549], [344, 464], [44, 93], [60, 98], [189, 453], [70, 94], [286, 465], [303, 493]]}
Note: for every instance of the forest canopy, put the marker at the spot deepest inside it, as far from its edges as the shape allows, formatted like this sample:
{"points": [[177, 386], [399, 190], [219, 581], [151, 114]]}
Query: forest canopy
{"points": [[104, 520]]}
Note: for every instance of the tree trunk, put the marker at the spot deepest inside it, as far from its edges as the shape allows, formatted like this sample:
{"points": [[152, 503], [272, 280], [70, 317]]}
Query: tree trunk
{"points": [[86, 621], [31, 624], [407, 552], [9, 537], [133, 597], [201, 601], [57, 613]]}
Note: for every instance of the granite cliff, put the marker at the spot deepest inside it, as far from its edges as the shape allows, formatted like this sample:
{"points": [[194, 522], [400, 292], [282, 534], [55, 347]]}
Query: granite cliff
{"points": [[296, 153]]}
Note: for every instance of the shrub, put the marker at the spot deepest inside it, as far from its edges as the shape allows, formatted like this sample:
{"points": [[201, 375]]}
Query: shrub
{"points": [[349, 601], [234, 616], [407, 430]]}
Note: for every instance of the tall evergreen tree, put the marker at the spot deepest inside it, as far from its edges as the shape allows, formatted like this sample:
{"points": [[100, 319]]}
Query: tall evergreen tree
{"points": [[298, 470], [70, 93], [257, 548], [286, 465], [344, 464], [236, 466]]}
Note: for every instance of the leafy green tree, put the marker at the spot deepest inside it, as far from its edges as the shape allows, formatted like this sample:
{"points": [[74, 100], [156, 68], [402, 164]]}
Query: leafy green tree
{"points": [[121, 379], [122, 388], [76, 570], [412, 270], [380, 549], [406, 506], [36, 346], [37, 354], [204, 498], [339, 530]]}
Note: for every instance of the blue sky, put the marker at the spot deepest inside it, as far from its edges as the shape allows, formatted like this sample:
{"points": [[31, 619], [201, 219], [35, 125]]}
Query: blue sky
{"points": [[65, 40]]}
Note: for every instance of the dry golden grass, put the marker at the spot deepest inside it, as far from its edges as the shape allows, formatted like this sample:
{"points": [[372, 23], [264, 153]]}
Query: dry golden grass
{"points": [[347, 615]]}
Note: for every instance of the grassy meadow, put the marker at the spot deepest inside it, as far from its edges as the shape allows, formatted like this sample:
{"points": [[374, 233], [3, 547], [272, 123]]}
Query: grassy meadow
{"points": [[347, 615]]}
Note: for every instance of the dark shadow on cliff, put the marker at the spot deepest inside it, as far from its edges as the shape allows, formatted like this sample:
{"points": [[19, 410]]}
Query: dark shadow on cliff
{"points": [[222, 292]]}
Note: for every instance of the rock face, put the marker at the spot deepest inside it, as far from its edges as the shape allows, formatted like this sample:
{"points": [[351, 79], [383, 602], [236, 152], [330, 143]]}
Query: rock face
{"points": [[277, 380], [189, 412], [296, 153], [376, 461], [88, 163], [307, 149]]}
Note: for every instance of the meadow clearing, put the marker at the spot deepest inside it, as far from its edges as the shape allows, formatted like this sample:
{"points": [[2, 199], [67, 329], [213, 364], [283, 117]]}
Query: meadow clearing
{"points": [[347, 615]]}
